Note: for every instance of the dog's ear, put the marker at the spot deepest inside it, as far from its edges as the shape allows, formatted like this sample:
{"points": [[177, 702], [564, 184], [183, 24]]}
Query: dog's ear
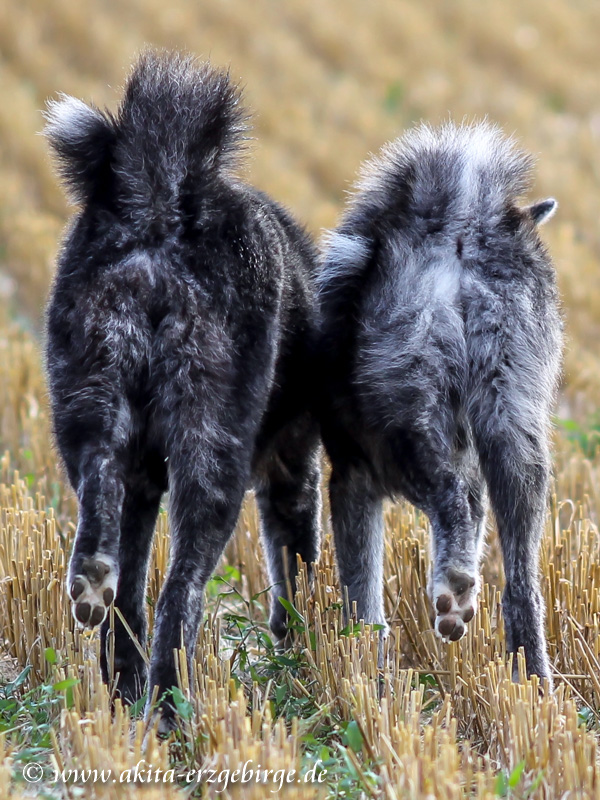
{"points": [[82, 138], [542, 211]]}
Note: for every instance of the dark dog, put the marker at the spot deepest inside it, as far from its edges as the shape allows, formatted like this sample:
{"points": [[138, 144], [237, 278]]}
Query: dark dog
{"points": [[179, 336], [441, 346]]}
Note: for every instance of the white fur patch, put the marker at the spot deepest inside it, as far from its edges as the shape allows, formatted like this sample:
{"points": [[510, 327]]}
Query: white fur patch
{"points": [[479, 151], [93, 595], [457, 611], [483, 155], [446, 280], [70, 118], [344, 255]]}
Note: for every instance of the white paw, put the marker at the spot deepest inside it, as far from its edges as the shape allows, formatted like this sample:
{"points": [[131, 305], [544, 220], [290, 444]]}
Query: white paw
{"points": [[92, 589], [455, 603]]}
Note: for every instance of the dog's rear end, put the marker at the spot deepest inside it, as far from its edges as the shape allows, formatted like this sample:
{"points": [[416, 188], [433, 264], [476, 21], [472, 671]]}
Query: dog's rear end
{"points": [[181, 306], [442, 383]]}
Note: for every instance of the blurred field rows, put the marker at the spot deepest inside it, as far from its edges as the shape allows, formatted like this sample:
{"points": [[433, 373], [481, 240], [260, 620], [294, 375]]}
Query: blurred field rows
{"points": [[328, 82]]}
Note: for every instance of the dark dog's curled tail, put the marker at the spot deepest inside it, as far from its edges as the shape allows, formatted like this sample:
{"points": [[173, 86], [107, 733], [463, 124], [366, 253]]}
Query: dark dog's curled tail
{"points": [[179, 125]]}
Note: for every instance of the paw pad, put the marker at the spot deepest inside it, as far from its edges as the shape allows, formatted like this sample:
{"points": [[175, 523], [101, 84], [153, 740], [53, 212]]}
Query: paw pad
{"points": [[92, 590], [454, 598]]}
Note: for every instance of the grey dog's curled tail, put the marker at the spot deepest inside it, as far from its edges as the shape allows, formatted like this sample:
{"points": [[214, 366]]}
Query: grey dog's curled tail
{"points": [[433, 188]]}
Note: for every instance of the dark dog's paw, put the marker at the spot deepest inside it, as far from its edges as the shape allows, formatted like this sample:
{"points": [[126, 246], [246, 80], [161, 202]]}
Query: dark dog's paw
{"points": [[92, 588], [454, 599], [166, 725], [127, 675], [167, 717], [131, 681], [283, 637]]}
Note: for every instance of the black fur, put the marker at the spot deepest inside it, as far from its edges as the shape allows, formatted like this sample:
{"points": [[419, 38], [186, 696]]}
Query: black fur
{"points": [[179, 340]]}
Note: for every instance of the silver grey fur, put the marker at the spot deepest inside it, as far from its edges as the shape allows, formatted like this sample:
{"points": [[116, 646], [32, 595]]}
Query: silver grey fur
{"points": [[441, 344]]}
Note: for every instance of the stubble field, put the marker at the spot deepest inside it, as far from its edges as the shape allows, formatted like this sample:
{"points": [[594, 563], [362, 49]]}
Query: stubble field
{"points": [[328, 82]]}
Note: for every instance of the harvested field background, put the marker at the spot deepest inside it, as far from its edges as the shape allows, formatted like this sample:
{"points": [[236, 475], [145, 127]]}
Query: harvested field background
{"points": [[328, 81]]}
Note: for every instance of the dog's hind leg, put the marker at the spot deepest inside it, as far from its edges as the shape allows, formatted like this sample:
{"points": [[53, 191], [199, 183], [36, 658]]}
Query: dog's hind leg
{"points": [[209, 469], [357, 521], [138, 520], [457, 521], [513, 351], [94, 565], [289, 500], [446, 484], [515, 464]]}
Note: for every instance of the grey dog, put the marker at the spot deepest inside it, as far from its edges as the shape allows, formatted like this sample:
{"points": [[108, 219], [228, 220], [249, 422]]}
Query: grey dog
{"points": [[179, 342], [441, 347]]}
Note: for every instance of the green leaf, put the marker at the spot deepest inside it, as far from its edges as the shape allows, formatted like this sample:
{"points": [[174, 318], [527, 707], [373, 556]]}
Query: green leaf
{"points": [[137, 707], [353, 629], [18, 681], [182, 705], [281, 694], [237, 618], [232, 573], [516, 774], [569, 424], [354, 736], [293, 612], [256, 676], [501, 786], [27, 754], [69, 699], [50, 655], [68, 683], [283, 661], [353, 774], [266, 640]]}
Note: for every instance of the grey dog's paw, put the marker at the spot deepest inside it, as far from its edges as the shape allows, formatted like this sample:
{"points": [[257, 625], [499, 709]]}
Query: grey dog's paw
{"points": [[454, 600]]}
